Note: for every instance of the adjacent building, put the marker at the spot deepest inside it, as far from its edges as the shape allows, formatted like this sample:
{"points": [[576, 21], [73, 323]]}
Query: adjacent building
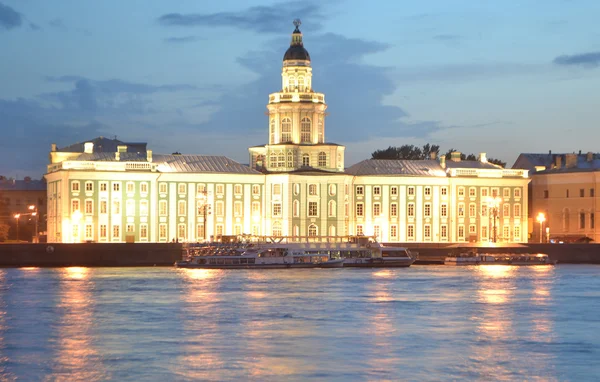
{"points": [[106, 190], [23, 203]]}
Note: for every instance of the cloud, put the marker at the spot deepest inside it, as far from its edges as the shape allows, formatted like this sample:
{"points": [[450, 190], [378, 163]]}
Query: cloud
{"points": [[587, 60], [261, 19], [180, 40], [9, 18], [450, 38]]}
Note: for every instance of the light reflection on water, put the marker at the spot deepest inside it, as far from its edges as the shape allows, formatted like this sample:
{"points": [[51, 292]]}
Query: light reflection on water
{"points": [[420, 323]]}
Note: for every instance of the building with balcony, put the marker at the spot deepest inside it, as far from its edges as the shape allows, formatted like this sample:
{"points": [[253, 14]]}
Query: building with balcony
{"points": [[297, 184]]}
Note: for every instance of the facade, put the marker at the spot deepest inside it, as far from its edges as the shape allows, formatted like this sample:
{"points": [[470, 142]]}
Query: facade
{"points": [[27, 198], [564, 188], [296, 185]]}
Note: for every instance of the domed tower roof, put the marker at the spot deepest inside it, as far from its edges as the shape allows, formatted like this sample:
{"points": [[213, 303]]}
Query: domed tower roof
{"points": [[296, 50]]}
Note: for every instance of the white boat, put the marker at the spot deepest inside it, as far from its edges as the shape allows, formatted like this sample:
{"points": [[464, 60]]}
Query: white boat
{"points": [[473, 256]]}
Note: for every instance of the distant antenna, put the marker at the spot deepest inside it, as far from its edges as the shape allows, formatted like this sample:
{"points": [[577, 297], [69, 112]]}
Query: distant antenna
{"points": [[297, 23]]}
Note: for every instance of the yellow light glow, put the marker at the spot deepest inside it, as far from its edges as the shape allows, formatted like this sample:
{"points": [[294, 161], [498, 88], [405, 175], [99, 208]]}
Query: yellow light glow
{"points": [[496, 271], [77, 273], [541, 218], [201, 274]]}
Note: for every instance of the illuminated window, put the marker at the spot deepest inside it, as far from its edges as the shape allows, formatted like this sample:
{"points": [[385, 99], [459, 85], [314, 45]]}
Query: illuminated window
{"points": [[89, 207], [305, 130], [130, 187], [472, 192], [255, 229], [181, 188], [181, 207], [484, 210], [461, 209], [143, 231], [219, 230], [162, 188], [411, 191], [427, 210], [506, 192], [89, 233], [89, 186], [75, 186], [276, 209], [410, 210], [272, 128], [162, 207], [377, 190], [103, 186], [129, 228], [517, 231], [296, 209], [219, 210], [376, 209], [181, 232], [444, 210], [506, 232], [360, 190], [472, 210], [237, 229], [255, 208], [116, 207], [237, 208], [332, 190], [394, 231], [74, 205], [143, 208], [277, 229], [377, 232], [144, 188], [461, 232], [495, 192], [312, 189], [484, 192], [290, 159], [277, 189], [394, 191], [200, 231], [103, 231], [359, 209], [281, 159], [220, 189], [237, 189], [312, 230], [255, 189], [301, 84], [286, 130], [506, 210], [359, 230], [162, 231], [517, 210], [461, 191], [484, 232], [313, 209], [472, 229], [394, 209], [103, 207], [116, 231]]}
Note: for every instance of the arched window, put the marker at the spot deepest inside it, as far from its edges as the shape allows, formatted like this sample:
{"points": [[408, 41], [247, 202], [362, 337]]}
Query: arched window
{"points": [[312, 230], [286, 130], [331, 230], [305, 160], [296, 208], [273, 160], [291, 84], [332, 208], [272, 131], [322, 159], [321, 132], [301, 84], [290, 159], [276, 229], [281, 159], [305, 127]]}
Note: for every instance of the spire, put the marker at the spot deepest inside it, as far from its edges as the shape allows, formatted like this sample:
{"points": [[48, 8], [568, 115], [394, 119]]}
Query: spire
{"points": [[297, 35], [296, 50]]}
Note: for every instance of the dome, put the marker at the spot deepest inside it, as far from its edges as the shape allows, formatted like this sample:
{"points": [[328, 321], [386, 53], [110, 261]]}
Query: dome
{"points": [[296, 52]]}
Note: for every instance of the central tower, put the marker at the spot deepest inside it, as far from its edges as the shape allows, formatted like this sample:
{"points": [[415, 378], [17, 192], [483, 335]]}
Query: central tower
{"points": [[297, 120]]}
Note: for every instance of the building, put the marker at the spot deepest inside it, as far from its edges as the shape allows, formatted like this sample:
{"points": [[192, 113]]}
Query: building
{"points": [[295, 185], [27, 199], [564, 190]]}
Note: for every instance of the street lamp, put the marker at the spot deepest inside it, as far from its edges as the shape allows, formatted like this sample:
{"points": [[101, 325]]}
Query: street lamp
{"points": [[494, 209], [205, 209], [34, 213], [17, 216], [541, 218]]}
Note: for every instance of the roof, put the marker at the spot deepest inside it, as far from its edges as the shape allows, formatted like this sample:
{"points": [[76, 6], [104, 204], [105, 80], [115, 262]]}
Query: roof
{"points": [[427, 167], [22, 185], [531, 160], [110, 157], [472, 164], [200, 163], [106, 145]]}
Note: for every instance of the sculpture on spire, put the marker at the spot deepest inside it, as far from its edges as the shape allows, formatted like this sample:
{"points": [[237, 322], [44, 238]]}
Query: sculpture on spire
{"points": [[297, 23]]}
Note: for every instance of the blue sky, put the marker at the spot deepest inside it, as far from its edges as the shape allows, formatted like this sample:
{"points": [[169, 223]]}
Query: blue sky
{"points": [[501, 77]]}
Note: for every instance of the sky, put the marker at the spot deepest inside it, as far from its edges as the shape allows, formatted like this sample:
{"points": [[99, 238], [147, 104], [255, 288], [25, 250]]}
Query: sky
{"points": [[501, 77]]}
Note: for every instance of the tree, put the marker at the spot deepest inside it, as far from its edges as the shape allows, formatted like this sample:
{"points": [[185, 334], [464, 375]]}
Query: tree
{"points": [[417, 153]]}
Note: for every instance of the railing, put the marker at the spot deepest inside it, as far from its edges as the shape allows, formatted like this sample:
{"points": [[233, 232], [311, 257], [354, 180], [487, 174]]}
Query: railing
{"points": [[105, 166], [296, 97], [489, 173]]}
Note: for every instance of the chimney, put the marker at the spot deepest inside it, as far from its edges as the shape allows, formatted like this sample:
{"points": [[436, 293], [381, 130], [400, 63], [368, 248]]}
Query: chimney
{"points": [[149, 155], [432, 155], [570, 160], [455, 156], [558, 161], [122, 148], [88, 147], [482, 158], [118, 156], [443, 161], [53, 147], [589, 156]]}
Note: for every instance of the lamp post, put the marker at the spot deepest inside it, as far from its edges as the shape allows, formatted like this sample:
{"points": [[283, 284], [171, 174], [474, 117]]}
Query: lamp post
{"points": [[34, 212], [205, 211], [541, 218], [17, 216], [494, 207]]}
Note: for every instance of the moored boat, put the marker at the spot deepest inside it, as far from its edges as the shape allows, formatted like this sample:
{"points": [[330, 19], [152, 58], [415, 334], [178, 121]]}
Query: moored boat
{"points": [[471, 256]]}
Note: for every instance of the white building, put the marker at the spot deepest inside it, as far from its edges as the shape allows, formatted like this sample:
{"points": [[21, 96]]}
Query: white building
{"points": [[296, 185]]}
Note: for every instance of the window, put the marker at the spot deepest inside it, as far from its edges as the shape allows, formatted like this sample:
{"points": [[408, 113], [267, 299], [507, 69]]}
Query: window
{"points": [[332, 190], [312, 189], [517, 233], [427, 210], [472, 210], [305, 130], [444, 210], [461, 191], [255, 189], [472, 192], [276, 229], [103, 186], [461, 209], [312, 230], [286, 130], [144, 188], [376, 209], [461, 232], [394, 209], [143, 231], [116, 231], [394, 231], [162, 207], [592, 220], [581, 220], [181, 232], [219, 230], [581, 193], [567, 193], [484, 192], [116, 187], [359, 230], [181, 188], [74, 205], [444, 231], [276, 209], [162, 231], [322, 159], [162, 188], [427, 231], [103, 207], [313, 209], [130, 207], [89, 207], [332, 208], [305, 160], [200, 231], [517, 192], [129, 228], [181, 207], [360, 190], [219, 208], [255, 208], [88, 232], [410, 231], [130, 187], [377, 190], [506, 232], [444, 191], [143, 208], [592, 193], [427, 191], [237, 189], [220, 189], [506, 210], [103, 231], [394, 191], [484, 232], [89, 186], [545, 194], [290, 159], [411, 210], [377, 232], [411, 191], [359, 209], [116, 207], [495, 192], [484, 210], [472, 229], [75, 186], [517, 210], [506, 193]]}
